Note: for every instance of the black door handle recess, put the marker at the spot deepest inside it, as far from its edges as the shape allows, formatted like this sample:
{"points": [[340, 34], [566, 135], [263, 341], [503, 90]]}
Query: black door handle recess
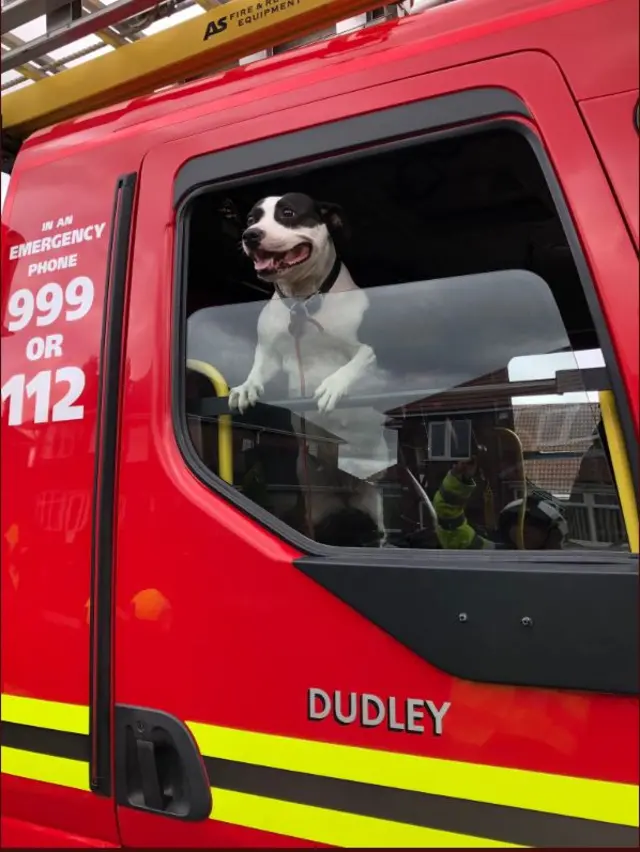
{"points": [[158, 765]]}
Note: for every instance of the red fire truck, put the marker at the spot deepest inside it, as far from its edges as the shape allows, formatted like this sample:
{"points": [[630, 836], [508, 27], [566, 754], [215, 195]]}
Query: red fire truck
{"points": [[183, 662]]}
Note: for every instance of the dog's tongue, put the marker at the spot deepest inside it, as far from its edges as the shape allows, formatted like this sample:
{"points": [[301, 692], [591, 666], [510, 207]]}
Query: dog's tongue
{"points": [[272, 261], [300, 252], [264, 262]]}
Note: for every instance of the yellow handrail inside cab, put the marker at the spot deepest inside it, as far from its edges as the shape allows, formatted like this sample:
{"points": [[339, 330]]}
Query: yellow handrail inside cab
{"points": [[523, 506], [621, 467], [225, 423]]}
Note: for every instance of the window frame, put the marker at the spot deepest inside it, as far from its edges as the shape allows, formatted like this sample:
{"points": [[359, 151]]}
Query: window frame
{"points": [[448, 436], [463, 113]]}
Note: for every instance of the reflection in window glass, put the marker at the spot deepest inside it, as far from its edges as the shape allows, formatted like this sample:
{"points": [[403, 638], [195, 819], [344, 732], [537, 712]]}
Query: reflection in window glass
{"points": [[437, 440], [393, 376], [449, 440]]}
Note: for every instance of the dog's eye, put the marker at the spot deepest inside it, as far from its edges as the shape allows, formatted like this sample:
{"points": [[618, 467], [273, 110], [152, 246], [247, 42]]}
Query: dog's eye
{"points": [[288, 213], [250, 221]]}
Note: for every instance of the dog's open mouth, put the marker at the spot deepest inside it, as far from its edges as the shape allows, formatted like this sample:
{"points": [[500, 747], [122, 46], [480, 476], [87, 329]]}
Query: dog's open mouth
{"points": [[276, 261]]}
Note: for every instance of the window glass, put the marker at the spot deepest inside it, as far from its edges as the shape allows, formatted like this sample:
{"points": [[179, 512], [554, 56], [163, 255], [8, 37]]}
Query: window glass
{"points": [[438, 440], [449, 439], [398, 356]]}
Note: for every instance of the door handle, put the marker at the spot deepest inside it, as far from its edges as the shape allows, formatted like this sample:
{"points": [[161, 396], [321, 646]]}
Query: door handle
{"points": [[147, 762], [159, 768]]}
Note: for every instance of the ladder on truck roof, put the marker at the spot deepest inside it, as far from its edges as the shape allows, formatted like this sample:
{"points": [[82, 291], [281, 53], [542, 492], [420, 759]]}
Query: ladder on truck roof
{"points": [[41, 86]]}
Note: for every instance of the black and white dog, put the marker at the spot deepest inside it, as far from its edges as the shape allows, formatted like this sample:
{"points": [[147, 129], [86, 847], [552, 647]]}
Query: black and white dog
{"points": [[309, 329]]}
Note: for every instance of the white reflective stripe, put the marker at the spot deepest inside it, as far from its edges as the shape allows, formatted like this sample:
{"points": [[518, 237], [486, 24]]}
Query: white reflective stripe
{"points": [[546, 508], [550, 511]]}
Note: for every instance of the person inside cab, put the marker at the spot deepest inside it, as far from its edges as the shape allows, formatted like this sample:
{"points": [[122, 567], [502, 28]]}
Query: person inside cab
{"points": [[544, 526]]}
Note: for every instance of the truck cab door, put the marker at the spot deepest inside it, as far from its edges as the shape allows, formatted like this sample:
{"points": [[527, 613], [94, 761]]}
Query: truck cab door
{"points": [[390, 697]]}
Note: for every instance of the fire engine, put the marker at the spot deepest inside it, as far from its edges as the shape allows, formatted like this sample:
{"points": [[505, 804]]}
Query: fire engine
{"points": [[187, 659]]}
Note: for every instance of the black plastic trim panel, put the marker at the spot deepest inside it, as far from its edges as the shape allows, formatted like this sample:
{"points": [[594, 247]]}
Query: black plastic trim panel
{"points": [[569, 622], [104, 513]]}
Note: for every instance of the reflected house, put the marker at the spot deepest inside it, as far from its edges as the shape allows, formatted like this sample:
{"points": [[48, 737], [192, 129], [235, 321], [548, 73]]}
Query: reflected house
{"points": [[566, 457], [562, 450], [557, 437], [429, 446]]}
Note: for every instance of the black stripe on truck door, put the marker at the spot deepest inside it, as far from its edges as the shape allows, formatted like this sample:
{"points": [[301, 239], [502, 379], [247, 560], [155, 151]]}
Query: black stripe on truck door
{"points": [[103, 516]]}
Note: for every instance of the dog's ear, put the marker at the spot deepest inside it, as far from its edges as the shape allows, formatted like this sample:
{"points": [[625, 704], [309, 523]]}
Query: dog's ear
{"points": [[334, 218]]}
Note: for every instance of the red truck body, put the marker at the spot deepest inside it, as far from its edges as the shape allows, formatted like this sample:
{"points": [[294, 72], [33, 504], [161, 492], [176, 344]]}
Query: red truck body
{"points": [[208, 618]]}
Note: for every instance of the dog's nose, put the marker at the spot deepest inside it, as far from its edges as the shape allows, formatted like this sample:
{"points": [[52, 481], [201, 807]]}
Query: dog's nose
{"points": [[252, 237]]}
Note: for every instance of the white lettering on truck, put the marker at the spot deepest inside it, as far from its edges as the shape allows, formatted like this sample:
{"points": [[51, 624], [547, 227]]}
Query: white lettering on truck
{"points": [[369, 711], [44, 307], [67, 261], [57, 241]]}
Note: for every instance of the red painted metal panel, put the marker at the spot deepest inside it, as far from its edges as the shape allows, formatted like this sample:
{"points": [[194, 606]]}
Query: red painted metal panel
{"points": [[612, 123], [46, 815]]}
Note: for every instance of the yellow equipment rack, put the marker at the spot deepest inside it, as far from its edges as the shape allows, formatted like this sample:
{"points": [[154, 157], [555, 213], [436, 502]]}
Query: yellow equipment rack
{"points": [[223, 34]]}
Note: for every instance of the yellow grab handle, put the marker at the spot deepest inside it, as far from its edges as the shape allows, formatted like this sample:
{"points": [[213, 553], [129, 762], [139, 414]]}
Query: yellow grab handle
{"points": [[621, 467], [225, 423], [523, 508]]}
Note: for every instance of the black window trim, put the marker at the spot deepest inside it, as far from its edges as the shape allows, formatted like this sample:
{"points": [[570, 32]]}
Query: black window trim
{"points": [[467, 112], [105, 495]]}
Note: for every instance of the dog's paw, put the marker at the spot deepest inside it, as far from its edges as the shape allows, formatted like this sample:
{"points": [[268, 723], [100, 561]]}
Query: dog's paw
{"points": [[331, 390], [244, 396]]}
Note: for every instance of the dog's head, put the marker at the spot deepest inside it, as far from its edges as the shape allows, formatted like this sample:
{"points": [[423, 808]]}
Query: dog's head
{"points": [[289, 237]]}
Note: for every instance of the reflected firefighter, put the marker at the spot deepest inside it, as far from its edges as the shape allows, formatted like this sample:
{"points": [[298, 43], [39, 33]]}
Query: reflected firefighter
{"points": [[541, 526]]}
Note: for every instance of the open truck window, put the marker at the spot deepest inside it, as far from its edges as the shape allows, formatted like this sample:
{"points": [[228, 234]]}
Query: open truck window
{"points": [[479, 425]]}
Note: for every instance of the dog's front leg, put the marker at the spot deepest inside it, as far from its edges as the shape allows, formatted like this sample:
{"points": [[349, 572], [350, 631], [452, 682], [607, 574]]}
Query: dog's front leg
{"points": [[265, 366], [334, 387]]}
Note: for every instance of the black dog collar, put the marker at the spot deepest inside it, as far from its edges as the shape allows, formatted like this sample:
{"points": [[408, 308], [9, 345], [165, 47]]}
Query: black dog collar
{"points": [[302, 310]]}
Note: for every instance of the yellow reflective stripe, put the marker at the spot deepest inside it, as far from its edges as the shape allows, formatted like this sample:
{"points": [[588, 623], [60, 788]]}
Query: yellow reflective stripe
{"points": [[336, 828], [537, 791], [72, 718], [556, 794], [46, 768]]}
